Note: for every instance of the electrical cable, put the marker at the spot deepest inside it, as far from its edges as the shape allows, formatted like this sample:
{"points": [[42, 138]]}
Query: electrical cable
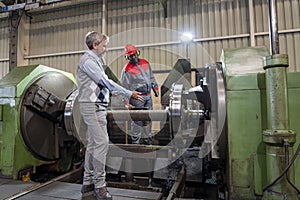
{"points": [[285, 171], [286, 147]]}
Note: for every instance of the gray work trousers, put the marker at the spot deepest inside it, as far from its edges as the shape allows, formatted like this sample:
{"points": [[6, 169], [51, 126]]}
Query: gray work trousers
{"points": [[97, 146], [141, 129]]}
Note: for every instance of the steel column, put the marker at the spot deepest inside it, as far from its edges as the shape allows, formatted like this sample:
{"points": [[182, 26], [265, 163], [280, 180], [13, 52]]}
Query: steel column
{"points": [[279, 139], [14, 17]]}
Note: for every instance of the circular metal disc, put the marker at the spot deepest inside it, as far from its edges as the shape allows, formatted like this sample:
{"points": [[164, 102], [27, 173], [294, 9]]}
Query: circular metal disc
{"points": [[41, 135], [73, 120]]}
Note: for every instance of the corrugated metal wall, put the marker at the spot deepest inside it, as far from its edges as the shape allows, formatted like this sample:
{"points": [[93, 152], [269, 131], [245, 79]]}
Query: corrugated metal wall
{"points": [[4, 44], [57, 35]]}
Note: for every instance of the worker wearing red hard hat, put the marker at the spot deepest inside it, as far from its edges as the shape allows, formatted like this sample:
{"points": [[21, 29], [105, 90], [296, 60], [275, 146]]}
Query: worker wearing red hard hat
{"points": [[137, 76]]}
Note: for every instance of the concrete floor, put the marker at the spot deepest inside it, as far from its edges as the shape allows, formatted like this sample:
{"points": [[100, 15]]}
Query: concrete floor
{"points": [[66, 191]]}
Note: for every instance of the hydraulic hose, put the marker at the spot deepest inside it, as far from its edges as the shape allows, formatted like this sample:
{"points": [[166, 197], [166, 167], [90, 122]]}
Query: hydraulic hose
{"points": [[285, 171]]}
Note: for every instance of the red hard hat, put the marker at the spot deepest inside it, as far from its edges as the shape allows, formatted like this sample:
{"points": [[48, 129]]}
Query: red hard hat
{"points": [[130, 49]]}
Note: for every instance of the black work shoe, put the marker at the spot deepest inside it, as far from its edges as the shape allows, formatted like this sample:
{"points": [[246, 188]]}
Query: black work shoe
{"points": [[102, 194], [87, 190]]}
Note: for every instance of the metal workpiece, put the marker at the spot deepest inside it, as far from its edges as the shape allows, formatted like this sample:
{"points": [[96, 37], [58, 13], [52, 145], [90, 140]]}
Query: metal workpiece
{"points": [[176, 107], [141, 115], [177, 115], [76, 127]]}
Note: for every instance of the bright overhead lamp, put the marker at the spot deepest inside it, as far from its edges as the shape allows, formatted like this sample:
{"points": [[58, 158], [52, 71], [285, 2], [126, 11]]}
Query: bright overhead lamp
{"points": [[187, 37]]}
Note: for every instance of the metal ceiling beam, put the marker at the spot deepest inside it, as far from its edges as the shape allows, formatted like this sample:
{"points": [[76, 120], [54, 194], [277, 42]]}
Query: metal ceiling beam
{"points": [[14, 17], [61, 5]]}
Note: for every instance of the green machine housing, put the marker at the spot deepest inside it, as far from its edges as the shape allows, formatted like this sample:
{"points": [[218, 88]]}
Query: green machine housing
{"points": [[246, 106], [32, 129]]}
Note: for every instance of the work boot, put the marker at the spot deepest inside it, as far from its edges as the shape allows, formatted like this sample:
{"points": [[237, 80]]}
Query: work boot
{"points": [[102, 194], [87, 190]]}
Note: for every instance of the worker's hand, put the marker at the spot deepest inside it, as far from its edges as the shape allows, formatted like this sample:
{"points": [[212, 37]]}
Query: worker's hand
{"points": [[137, 95]]}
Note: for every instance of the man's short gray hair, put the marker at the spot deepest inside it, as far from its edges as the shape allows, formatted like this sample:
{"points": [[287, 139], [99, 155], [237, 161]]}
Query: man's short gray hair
{"points": [[94, 37]]}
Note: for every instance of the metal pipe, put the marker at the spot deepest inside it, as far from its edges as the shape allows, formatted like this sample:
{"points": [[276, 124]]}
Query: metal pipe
{"points": [[273, 27], [140, 115], [251, 23], [4, 59], [141, 46], [104, 16], [293, 30]]}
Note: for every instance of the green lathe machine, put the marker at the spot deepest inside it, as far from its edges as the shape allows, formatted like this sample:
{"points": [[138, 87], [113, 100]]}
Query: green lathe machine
{"points": [[32, 105]]}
